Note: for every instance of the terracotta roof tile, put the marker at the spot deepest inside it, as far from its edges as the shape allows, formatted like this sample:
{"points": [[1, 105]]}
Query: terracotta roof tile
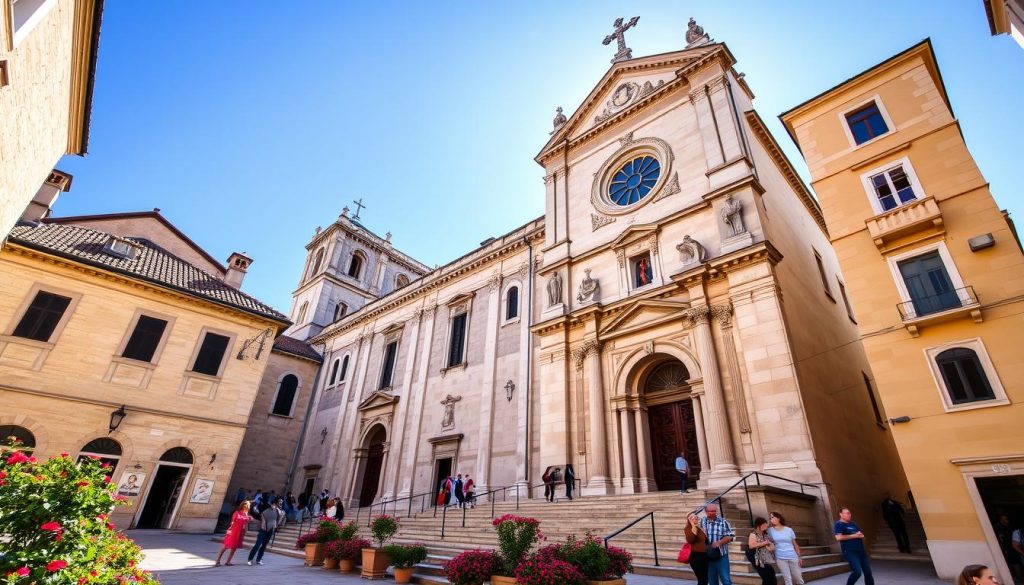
{"points": [[296, 347]]}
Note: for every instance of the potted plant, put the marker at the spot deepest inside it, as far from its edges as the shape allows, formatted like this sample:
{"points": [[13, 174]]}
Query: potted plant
{"points": [[516, 535], [313, 542], [472, 567], [597, 564], [331, 553], [375, 560], [349, 551], [403, 557], [544, 568]]}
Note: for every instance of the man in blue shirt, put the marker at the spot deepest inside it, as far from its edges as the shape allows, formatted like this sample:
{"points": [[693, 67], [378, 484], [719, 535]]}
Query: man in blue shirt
{"points": [[851, 541], [720, 534], [683, 469]]}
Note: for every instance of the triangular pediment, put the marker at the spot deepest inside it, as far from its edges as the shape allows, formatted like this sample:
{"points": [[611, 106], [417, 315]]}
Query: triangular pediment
{"points": [[378, 399], [626, 85], [632, 234], [642, 314]]}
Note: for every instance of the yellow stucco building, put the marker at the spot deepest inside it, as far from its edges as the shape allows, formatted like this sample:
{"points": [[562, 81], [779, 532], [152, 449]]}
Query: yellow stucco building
{"points": [[935, 280]]}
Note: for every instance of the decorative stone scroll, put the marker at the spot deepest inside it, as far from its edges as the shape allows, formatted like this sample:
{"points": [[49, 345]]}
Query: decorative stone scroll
{"points": [[598, 221]]}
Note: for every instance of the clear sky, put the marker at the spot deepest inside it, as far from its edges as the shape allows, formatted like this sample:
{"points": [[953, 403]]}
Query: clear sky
{"points": [[249, 123]]}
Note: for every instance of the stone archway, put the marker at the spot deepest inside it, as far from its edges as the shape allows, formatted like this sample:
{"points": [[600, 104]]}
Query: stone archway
{"points": [[373, 447]]}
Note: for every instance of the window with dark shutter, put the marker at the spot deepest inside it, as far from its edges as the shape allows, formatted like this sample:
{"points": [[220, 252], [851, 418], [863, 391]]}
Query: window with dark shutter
{"points": [[211, 354], [145, 339], [285, 395], [456, 350], [388, 371], [42, 316], [964, 377]]}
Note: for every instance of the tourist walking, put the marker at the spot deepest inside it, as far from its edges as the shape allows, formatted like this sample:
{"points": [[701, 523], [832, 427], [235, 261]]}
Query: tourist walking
{"points": [[556, 478], [236, 532], [851, 542], [787, 550], [698, 540], [269, 522], [467, 489], [570, 481], [683, 469], [459, 494], [548, 488], [976, 575], [761, 552], [720, 534], [893, 514]]}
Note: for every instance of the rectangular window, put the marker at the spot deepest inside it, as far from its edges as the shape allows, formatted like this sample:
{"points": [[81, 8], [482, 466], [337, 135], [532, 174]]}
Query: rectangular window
{"points": [[866, 123], [846, 301], [928, 284], [145, 339], [457, 345], [388, 371], [42, 316], [821, 273], [211, 354], [893, 188], [874, 401]]}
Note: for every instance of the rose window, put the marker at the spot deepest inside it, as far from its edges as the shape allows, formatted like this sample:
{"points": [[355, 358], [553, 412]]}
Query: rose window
{"points": [[634, 180]]}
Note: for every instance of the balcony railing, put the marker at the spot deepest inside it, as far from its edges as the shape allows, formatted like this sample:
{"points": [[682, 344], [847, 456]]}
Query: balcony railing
{"points": [[919, 215], [951, 300]]}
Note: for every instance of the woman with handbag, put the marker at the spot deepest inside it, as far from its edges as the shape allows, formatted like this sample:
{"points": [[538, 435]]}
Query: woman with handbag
{"points": [[695, 550], [761, 551]]}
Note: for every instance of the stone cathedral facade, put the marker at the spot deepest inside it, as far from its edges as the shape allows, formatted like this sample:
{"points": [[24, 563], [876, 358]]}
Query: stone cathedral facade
{"points": [[679, 295]]}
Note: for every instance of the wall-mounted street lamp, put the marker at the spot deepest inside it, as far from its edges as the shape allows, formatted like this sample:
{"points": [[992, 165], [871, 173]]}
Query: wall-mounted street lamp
{"points": [[510, 387], [116, 418], [899, 419]]}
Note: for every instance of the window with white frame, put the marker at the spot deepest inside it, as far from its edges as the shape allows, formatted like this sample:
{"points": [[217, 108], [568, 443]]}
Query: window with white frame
{"points": [[26, 14], [866, 123], [892, 185], [387, 371], [340, 310], [512, 303], [965, 375], [332, 379], [457, 335], [343, 370]]}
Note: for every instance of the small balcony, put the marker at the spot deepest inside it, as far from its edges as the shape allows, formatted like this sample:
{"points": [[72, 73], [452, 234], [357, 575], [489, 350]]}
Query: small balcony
{"points": [[919, 215], [946, 306]]}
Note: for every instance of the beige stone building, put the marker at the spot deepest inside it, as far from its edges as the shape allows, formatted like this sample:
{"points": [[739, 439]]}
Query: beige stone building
{"points": [[680, 295], [1006, 17], [935, 277], [47, 60], [139, 350]]}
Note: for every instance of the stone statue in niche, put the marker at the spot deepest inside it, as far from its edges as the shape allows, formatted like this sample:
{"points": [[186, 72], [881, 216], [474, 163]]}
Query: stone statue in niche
{"points": [[643, 271], [448, 420], [692, 251], [555, 289], [588, 288], [732, 217]]}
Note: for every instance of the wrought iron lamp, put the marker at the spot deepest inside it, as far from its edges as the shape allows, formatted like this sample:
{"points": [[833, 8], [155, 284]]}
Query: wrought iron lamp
{"points": [[510, 387], [116, 418]]}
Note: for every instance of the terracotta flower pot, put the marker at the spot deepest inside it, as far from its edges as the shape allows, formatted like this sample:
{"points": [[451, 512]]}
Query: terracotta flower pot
{"points": [[619, 581], [375, 564], [499, 580], [314, 554], [330, 564], [347, 565], [403, 574]]}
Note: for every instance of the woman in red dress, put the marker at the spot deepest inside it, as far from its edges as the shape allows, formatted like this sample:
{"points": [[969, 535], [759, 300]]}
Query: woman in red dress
{"points": [[236, 533]]}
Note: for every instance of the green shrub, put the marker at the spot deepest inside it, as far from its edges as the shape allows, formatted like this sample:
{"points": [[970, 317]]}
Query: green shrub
{"points": [[404, 556]]}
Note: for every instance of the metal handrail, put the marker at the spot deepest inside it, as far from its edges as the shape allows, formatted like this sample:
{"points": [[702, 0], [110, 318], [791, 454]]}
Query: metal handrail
{"points": [[654, 534], [919, 307], [743, 481]]}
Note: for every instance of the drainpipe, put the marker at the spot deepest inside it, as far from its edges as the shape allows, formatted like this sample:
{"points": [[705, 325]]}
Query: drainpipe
{"points": [[529, 357], [305, 423]]}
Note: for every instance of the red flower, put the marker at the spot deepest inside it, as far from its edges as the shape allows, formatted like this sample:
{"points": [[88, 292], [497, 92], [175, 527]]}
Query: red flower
{"points": [[51, 526], [3, 474], [102, 517], [32, 459], [82, 580], [16, 457], [64, 454], [82, 483], [23, 571], [56, 565], [106, 479]]}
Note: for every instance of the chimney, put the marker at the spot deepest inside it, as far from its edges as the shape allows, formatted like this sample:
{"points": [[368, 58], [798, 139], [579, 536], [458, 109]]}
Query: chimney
{"points": [[39, 208], [238, 265]]}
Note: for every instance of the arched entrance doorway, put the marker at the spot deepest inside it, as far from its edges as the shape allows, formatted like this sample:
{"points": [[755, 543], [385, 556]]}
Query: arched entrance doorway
{"points": [[673, 429], [374, 445], [165, 489]]}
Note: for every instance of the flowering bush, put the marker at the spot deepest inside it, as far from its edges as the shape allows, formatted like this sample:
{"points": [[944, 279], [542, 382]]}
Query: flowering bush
{"points": [[516, 535], [590, 557], [55, 525], [353, 548], [403, 556], [327, 530], [540, 569], [472, 567], [332, 549], [620, 562], [383, 529]]}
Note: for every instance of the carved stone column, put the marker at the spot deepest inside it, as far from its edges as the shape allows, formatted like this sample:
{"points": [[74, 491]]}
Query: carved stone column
{"points": [[598, 448], [381, 481], [483, 460], [702, 439], [708, 124], [628, 450], [402, 416], [723, 314], [719, 439], [643, 450], [417, 393]]}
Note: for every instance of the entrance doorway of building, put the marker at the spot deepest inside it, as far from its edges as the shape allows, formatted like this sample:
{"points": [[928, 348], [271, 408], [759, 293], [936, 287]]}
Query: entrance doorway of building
{"points": [[374, 461], [165, 489], [1003, 498], [443, 469], [673, 432]]}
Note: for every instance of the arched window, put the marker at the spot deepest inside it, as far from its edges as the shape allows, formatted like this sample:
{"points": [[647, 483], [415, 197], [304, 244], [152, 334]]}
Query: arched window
{"points": [[333, 378], [401, 280], [666, 377], [106, 449], [302, 313], [319, 260], [286, 395], [339, 310], [24, 437], [344, 369], [177, 455], [355, 266], [512, 303], [964, 376]]}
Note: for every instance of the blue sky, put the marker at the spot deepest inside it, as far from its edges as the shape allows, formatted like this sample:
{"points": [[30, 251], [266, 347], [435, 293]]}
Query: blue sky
{"points": [[249, 123]]}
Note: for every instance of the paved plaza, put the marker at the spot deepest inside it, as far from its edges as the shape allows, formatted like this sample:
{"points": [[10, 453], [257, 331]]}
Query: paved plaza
{"points": [[187, 559]]}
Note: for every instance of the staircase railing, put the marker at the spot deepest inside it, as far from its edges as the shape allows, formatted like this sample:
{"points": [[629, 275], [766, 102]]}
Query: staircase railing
{"points": [[654, 534], [394, 503]]}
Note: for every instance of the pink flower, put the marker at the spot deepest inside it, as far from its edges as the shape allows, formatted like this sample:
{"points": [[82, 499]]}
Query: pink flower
{"points": [[32, 459], [23, 571], [51, 526], [106, 479], [56, 565], [16, 457], [64, 454]]}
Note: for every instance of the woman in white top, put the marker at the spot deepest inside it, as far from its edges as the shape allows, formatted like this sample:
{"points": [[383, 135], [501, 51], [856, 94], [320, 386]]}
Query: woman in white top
{"points": [[787, 551]]}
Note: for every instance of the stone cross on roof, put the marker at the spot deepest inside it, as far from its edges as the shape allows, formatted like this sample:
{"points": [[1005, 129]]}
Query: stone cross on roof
{"points": [[359, 207], [619, 35]]}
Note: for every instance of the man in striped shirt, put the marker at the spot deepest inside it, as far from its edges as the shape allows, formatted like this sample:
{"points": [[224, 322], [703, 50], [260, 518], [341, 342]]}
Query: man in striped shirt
{"points": [[720, 534]]}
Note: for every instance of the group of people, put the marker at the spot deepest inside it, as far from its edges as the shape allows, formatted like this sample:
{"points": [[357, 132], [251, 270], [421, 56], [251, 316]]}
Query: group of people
{"points": [[553, 476], [270, 518], [771, 544], [459, 489]]}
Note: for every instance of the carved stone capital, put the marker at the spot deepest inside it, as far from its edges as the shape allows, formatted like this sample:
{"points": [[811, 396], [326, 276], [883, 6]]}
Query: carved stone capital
{"points": [[620, 255], [698, 315], [523, 269], [494, 282], [723, 314], [579, 354]]}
